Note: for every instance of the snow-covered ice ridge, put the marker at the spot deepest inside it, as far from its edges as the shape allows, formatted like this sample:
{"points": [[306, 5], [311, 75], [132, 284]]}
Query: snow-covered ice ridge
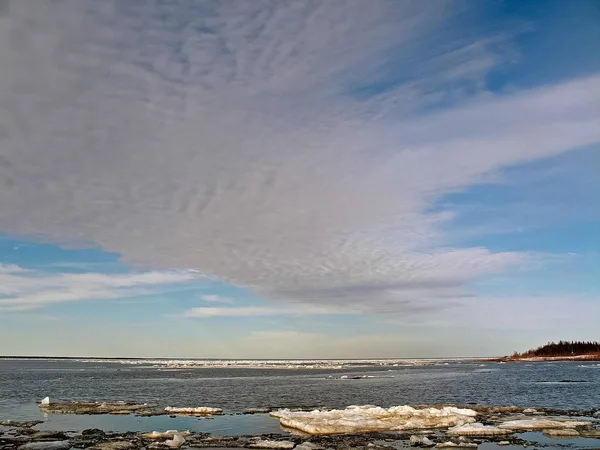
{"points": [[369, 418], [457, 421], [275, 363]]}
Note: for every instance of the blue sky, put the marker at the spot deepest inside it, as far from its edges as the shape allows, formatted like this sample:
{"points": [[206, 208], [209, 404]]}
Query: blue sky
{"points": [[299, 179]]}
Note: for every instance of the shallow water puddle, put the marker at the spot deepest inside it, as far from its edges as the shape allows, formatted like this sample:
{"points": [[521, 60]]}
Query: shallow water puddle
{"points": [[540, 438], [225, 425]]}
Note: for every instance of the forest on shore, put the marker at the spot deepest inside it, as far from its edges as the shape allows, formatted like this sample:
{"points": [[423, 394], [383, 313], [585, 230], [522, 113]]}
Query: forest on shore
{"points": [[565, 350]]}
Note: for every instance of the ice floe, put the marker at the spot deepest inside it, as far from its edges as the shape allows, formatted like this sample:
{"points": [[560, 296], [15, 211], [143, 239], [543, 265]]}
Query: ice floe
{"points": [[450, 444], [421, 441], [198, 411], [177, 441], [275, 363], [169, 434], [359, 377], [478, 429], [541, 424], [91, 407], [267, 443], [562, 433], [369, 418]]}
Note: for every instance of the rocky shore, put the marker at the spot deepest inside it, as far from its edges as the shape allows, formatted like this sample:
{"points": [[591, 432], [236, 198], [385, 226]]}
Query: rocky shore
{"points": [[442, 426], [25, 438]]}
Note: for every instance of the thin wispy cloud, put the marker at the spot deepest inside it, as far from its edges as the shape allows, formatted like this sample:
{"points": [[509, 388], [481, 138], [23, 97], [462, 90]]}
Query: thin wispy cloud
{"points": [[229, 137], [22, 289], [256, 311]]}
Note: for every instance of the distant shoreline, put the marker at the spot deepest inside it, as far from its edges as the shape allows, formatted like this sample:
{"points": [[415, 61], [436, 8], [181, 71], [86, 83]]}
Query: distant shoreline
{"points": [[573, 358]]}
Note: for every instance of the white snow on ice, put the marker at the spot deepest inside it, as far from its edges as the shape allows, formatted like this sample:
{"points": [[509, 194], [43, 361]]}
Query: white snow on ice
{"points": [[421, 441], [477, 429], [169, 434], [276, 363], [360, 419], [265, 443], [200, 410], [541, 424], [453, 445]]}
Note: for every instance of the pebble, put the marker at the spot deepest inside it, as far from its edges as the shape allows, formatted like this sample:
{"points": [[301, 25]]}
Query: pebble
{"points": [[421, 441]]}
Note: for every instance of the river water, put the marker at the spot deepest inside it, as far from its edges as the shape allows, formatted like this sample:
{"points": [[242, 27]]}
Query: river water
{"points": [[561, 385]]}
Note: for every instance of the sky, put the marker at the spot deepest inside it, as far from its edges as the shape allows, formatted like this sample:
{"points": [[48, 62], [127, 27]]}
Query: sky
{"points": [[298, 179]]}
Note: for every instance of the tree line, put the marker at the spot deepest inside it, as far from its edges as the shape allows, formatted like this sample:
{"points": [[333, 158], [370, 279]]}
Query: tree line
{"points": [[562, 348]]}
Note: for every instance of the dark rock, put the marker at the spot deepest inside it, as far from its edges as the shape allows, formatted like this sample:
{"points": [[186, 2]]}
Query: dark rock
{"points": [[49, 436], [115, 445], [93, 432], [18, 424]]}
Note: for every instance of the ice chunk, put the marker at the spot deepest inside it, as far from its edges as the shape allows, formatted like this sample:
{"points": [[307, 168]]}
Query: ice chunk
{"points": [[369, 418], [421, 441], [541, 424], [199, 411], [562, 433], [90, 407], [264, 443], [164, 434], [454, 445], [177, 441], [478, 429], [590, 433], [47, 445]]}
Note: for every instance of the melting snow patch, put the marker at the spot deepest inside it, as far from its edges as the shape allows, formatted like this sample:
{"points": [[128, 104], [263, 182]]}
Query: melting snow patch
{"points": [[369, 418], [478, 429], [541, 424]]}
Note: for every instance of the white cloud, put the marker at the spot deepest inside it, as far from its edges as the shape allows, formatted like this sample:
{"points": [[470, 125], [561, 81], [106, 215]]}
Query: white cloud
{"points": [[250, 311], [10, 269], [212, 298], [230, 143], [22, 289]]}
